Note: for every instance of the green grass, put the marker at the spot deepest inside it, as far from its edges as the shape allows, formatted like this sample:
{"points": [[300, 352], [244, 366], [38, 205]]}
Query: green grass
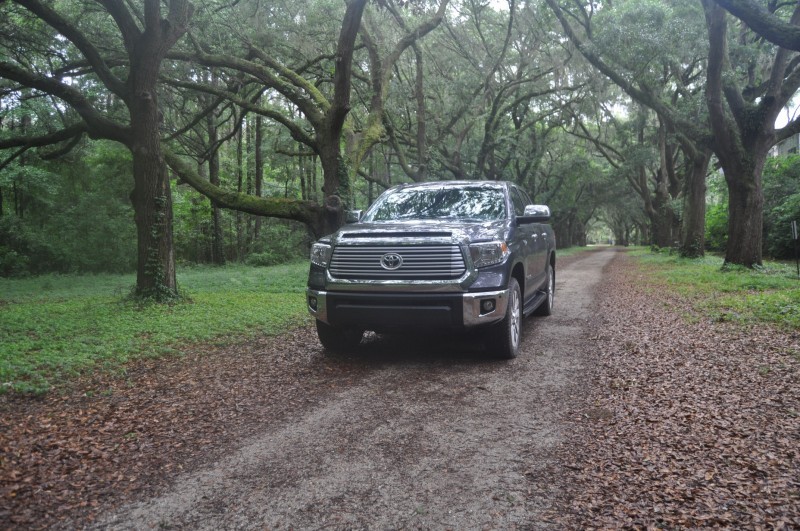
{"points": [[569, 251], [56, 326], [770, 294]]}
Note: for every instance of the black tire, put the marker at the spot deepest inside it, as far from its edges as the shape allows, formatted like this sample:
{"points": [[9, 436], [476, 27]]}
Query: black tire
{"points": [[504, 337], [338, 339], [546, 308]]}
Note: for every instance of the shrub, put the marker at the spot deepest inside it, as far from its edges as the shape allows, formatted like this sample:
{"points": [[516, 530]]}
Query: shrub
{"points": [[12, 264], [265, 259], [717, 228], [781, 205]]}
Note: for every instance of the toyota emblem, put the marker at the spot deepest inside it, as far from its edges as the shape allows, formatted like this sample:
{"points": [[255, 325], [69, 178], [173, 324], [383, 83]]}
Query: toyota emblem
{"points": [[391, 261]]}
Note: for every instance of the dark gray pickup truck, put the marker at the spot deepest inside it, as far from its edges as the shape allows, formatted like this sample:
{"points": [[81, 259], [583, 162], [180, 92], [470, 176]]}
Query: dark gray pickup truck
{"points": [[439, 255]]}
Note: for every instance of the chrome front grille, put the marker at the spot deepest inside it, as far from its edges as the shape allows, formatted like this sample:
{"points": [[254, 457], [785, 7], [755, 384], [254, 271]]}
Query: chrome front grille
{"points": [[419, 262]]}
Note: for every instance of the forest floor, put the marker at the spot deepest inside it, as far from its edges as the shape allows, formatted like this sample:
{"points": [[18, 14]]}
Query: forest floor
{"points": [[625, 408]]}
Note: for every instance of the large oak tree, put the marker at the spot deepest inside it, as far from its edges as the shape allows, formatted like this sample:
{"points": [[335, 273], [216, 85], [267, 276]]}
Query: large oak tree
{"points": [[81, 55], [748, 84]]}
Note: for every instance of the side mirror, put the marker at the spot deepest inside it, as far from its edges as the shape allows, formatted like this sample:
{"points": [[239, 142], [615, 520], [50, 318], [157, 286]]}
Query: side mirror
{"points": [[352, 216], [535, 214]]}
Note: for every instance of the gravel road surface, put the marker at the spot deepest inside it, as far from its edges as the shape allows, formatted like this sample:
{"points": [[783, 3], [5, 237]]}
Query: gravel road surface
{"points": [[435, 435]]}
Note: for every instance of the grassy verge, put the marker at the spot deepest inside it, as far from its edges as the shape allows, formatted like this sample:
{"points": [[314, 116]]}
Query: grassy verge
{"points": [[56, 326], [570, 251], [768, 295]]}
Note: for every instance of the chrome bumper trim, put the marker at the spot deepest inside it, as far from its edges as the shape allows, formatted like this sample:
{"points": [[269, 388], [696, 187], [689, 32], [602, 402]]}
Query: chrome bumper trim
{"points": [[321, 312], [471, 307]]}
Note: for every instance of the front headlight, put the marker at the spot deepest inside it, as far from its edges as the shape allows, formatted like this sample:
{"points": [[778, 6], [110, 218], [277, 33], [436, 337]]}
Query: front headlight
{"points": [[321, 254], [490, 253]]}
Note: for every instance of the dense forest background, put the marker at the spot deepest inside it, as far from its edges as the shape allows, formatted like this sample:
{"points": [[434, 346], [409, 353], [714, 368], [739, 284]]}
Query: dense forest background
{"points": [[135, 136]]}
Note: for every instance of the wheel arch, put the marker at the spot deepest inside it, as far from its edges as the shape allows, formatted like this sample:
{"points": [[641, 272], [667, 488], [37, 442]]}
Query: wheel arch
{"points": [[518, 272]]}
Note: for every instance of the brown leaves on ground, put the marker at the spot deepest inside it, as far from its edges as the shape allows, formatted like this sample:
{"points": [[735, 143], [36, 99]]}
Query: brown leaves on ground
{"points": [[681, 425], [685, 425], [78, 451]]}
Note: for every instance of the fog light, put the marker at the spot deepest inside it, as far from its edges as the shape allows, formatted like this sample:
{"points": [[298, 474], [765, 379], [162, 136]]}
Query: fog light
{"points": [[487, 306], [312, 303]]}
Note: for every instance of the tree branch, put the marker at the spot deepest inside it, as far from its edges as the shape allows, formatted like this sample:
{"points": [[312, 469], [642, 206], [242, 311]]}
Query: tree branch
{"points": [[307, 212], [97, 125], [60, 24], [769, 26]]}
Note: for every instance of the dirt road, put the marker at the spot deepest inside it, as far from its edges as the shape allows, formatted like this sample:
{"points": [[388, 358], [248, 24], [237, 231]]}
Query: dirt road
{"points": [[435, 435]]}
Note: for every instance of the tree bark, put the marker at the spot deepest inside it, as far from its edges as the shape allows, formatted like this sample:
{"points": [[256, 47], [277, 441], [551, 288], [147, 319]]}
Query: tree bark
{"points": [[693, 239], [259, 170], [152, 205], [217, 235], [152, 198], [745, 217], [240, 139], [663, 215]]}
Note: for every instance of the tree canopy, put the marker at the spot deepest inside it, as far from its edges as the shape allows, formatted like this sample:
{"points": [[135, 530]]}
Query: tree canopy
{"points": [[612, 113]]}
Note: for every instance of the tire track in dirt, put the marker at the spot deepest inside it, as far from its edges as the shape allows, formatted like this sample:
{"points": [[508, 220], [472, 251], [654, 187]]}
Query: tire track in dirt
{"points": [[435, 435]]}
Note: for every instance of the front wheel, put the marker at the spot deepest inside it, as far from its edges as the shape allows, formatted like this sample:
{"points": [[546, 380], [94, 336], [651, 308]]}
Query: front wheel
{"points": [[503, 338], [338, 339]]}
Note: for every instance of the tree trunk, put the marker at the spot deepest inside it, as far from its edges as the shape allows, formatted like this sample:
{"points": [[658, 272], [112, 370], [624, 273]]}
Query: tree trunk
{"points": [[661, 220], [314, 184], [152, 205], [336, 187], [151, 197], [217, 234], [239, 189], [745, 214], [259, 162], [664, 218], [694, 212], [419, 94], [579, 237]]}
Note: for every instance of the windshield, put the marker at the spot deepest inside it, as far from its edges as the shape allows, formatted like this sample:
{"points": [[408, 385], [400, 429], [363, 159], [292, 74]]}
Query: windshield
{"points": [[467, 204]]}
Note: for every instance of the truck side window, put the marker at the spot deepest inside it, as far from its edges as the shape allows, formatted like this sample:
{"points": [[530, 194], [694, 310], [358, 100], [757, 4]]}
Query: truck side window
{"points": [[519, 201]]}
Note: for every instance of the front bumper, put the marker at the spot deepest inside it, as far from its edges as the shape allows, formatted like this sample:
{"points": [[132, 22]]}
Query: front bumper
{"points": [[397, 311]]}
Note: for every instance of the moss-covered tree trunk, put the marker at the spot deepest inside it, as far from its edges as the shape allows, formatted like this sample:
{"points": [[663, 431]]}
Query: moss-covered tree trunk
{"points": [[152, 200]]}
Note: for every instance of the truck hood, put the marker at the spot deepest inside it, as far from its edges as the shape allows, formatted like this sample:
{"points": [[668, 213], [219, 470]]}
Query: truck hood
{"points": [[456, 231]]}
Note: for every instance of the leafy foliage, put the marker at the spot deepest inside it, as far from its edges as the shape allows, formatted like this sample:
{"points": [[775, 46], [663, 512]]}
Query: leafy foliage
{"points": [[781, 205], [78, 216]]}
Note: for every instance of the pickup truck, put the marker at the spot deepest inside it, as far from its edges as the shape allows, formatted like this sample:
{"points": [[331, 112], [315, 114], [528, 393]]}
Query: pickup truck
{"points": [[437, 255]]}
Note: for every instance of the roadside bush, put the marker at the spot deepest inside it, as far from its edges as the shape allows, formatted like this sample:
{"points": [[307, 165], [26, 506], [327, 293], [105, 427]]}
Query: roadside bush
{"points": [[781, 205], [280, 242], [265, 259], [12, 264], [26, 250], [717, 227]]}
